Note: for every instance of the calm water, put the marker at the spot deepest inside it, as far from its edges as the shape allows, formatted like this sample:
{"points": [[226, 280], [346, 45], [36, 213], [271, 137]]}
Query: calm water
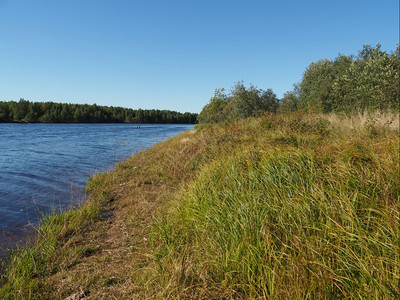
{"points": [[46, 166]]}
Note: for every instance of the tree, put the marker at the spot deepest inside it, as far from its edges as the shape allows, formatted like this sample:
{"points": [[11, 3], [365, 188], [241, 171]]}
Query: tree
{"points": [[20, 109], [50, 112], [245, 103], [31, 116], [214, 111], [4, 112], [269, 102], [370, 83], [78, 115], [290, 100], [240, 103], [316, 86], [66, 114]]}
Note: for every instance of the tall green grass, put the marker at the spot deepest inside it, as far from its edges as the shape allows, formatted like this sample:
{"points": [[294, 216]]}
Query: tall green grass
{"points": [[277, 207], [315, 220], [57, 246]]}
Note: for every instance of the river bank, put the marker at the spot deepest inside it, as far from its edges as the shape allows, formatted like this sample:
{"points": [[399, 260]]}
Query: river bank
{"points": [[45, 167], [275, 207]]}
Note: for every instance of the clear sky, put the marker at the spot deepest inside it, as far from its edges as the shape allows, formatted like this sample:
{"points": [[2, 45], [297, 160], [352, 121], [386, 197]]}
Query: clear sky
{"points": [[168, 54]]}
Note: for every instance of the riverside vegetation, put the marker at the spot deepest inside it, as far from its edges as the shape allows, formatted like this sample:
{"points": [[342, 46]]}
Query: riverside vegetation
{"points": [[345, 85], [278, 206], [280, 199]]}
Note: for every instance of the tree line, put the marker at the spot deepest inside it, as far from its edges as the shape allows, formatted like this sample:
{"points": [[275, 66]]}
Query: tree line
{"points": [[50, 112], [240, 103], [347, 84], [368, 81]]}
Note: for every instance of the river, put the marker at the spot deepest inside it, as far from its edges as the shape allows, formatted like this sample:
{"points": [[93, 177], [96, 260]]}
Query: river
{"points": [[46, 166]]}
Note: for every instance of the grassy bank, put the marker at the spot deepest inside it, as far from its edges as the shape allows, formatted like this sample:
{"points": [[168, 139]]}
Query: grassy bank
{"points": [[280, 207]]}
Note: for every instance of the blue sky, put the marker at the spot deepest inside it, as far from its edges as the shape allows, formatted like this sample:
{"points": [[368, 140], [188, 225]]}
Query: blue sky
{"points": [[174, 54]]}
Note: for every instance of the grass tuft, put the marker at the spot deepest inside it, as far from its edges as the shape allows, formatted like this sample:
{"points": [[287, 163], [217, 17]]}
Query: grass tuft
{"points": [[277, 207], [275, 222]]}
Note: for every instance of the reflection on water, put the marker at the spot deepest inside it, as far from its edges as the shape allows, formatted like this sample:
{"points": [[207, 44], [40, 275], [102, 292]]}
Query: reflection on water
{"points": [[45, 166]]}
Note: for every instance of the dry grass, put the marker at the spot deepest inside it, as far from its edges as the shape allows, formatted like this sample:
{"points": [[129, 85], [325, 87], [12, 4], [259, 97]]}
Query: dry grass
{"points": [[363, 120], [185, 219], [299, 208]]}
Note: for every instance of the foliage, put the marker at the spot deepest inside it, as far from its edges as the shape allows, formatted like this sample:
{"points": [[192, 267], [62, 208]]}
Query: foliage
{"points": [[50, 112], [347, 84], [240, 103], [369, 81], [290, 101], [214, 111]]}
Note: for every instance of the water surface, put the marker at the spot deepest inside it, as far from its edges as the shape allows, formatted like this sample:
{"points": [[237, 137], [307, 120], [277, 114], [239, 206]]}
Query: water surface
{"points": [[45, 166]]}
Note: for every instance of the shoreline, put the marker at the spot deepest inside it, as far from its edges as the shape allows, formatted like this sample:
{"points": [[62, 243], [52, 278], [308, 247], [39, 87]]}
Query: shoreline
{"points": [[164, 238], [63, 191], [24, 235]]}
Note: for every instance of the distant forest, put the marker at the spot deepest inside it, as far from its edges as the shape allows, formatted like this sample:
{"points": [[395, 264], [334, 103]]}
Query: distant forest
{"points": [[50, 112]]}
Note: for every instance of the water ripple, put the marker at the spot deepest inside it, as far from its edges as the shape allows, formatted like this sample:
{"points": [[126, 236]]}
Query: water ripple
{"points": [[46, 166]]}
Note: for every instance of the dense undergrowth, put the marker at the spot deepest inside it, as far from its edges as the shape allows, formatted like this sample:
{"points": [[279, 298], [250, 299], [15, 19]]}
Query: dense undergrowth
{"points": [[281, 207]]}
